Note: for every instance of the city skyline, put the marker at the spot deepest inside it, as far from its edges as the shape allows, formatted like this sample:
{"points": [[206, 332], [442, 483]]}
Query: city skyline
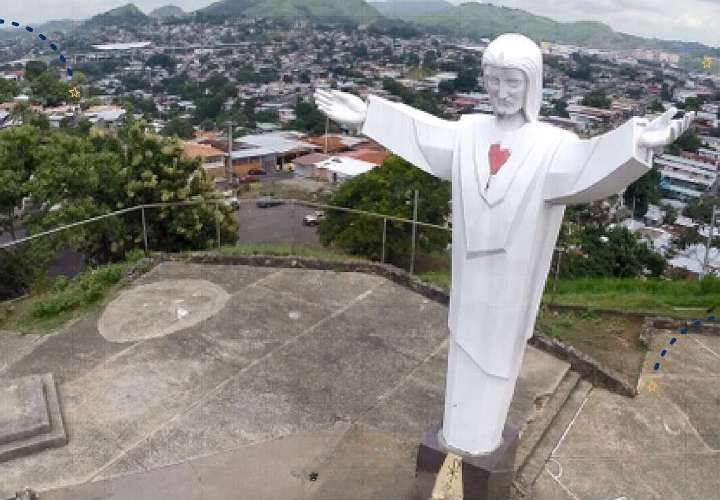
{"points": [[691, 20]]}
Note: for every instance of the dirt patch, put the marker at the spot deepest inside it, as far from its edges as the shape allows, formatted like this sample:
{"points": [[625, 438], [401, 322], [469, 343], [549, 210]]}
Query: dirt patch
{"points": [[613, 340]]}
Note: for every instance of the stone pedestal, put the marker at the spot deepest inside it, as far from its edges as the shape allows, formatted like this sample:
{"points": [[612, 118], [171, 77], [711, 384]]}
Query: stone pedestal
{"points": [[485, 477], [30, 416]]}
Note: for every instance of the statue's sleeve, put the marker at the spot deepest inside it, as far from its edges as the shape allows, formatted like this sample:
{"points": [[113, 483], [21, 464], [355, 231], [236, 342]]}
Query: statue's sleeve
{"points": [[582, 171], [420, 138]]}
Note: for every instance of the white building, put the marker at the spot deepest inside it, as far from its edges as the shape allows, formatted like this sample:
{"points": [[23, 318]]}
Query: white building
{"points": [[684, 179]]}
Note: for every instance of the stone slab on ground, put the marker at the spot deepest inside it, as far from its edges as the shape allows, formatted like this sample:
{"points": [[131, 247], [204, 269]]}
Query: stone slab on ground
{"points": [[23, 409], [47, 437]]}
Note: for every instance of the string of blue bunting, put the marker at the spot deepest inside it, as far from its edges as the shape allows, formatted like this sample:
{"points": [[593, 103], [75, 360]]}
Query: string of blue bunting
{"points": [[684, 330], [44, 38]]}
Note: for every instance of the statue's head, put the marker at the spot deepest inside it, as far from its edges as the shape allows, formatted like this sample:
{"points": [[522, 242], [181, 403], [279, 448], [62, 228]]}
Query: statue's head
{"points": [[512, 72]]}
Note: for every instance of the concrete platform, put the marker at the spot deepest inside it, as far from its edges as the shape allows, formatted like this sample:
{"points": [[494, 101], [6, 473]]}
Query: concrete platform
{"points": [[663, 444], [292, 352], [30, 417]]}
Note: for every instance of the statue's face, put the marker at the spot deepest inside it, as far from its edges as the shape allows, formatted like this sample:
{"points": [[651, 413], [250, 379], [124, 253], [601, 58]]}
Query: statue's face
{"points": [[506, 88]]}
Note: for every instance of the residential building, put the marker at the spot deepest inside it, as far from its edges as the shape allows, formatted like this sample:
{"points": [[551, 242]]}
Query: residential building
{"points": [[684, 179]]}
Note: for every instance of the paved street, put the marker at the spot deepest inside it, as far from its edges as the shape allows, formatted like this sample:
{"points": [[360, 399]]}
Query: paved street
{"points": [[280, 224]]}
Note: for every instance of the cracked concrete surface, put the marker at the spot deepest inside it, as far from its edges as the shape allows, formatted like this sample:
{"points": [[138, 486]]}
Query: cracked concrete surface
{"points": [[664, 444], [307, 370]]}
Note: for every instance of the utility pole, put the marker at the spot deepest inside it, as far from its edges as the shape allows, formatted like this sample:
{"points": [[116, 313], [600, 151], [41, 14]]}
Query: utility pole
{"points": [[709, 240]]}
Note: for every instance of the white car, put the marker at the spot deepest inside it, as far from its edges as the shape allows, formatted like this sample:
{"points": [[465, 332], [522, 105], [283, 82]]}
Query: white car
{"points": [[314, 218]]}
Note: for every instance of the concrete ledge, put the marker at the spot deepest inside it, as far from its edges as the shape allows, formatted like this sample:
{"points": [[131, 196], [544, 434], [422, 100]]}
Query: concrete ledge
{"points": [[55, 435], [588, 368]]}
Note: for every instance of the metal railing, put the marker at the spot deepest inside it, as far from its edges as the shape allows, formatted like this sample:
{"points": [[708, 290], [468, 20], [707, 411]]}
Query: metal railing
{"points": [[387, 221]]}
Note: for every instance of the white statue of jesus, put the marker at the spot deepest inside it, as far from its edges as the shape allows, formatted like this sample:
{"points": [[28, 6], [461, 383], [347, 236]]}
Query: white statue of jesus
{"points": [[512, 177]]}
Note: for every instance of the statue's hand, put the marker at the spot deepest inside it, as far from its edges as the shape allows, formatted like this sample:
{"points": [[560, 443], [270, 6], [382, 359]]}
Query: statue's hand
{"points": [[344, 108], [664, 130]]}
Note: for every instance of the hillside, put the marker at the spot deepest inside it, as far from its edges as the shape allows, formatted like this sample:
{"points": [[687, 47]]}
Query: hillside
{"points": [[168, 11], [352, 11], [403, 8], [484, 20], [122, 16]]}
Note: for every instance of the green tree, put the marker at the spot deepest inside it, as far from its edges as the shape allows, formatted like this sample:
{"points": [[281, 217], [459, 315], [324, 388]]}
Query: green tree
{"points": [[34, 69], [467, 79], [560, 107], [8, 90], [16, 273], [89, 176], [671, 214], [614, 253], [179, 128], [596, 99], [689, 141], [165, 61], [700, 209], [430, 60], [388, 189], [656, 107], [208, 107], [308, 118], [642, 192], [19, 149], [49, 90]]}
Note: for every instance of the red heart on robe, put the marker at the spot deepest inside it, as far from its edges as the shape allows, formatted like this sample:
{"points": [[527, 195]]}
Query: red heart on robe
{"points": [[498, 157]]}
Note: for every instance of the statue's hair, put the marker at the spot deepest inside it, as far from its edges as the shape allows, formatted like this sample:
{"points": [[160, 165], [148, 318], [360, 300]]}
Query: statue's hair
{"points": [[519, 52]]}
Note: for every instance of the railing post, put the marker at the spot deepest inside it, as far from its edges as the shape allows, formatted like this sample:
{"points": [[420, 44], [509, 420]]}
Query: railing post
{"points": [[217, 224], [384, 237], [292, 227], [414, 233], [145, 235]]}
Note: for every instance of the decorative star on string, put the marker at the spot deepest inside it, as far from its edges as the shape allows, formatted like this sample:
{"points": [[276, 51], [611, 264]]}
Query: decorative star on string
{"points": [[652, 386], [707, 62], [74, 93]]}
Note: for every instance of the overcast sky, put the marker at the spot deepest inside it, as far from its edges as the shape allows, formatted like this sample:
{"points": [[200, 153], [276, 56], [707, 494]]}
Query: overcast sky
{"points": [[692, 20]]}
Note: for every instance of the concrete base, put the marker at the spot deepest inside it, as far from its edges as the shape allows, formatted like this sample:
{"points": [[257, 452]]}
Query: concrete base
{"points": [[30, 420], [485, 477]]}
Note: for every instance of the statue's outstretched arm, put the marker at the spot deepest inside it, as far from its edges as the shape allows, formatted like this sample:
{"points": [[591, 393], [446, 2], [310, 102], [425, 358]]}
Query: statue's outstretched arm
{"points": [[418, 137], [583, 171]]}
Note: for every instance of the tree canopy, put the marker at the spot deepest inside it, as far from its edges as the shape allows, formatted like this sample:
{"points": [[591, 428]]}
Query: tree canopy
{"points": [[388, 189]]}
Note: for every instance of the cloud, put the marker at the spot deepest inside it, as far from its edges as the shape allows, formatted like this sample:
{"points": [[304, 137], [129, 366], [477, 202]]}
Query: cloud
{"points": [[689, 20]]}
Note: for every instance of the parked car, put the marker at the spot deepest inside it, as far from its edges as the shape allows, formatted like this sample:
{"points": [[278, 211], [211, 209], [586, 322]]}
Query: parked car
{"points": [[256, 172], [248, 179], [314, 218], [268, 201], [233, 202]]}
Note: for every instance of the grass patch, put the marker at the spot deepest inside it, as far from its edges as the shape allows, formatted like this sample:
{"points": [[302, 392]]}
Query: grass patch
{"points": [[614, 340], [54, 302], [439, 278], [686, 299]]}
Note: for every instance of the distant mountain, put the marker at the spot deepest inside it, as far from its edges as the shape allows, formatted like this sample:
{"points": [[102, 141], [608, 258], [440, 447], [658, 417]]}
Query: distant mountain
{"points": [[404, 8], [168, 11], [59, 25], [351, 11], [48, 28], [478, 20], [122, 16]]}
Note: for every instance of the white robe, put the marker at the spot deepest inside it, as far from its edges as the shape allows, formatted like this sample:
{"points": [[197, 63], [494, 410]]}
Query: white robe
{"points": [[503, 237]]}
